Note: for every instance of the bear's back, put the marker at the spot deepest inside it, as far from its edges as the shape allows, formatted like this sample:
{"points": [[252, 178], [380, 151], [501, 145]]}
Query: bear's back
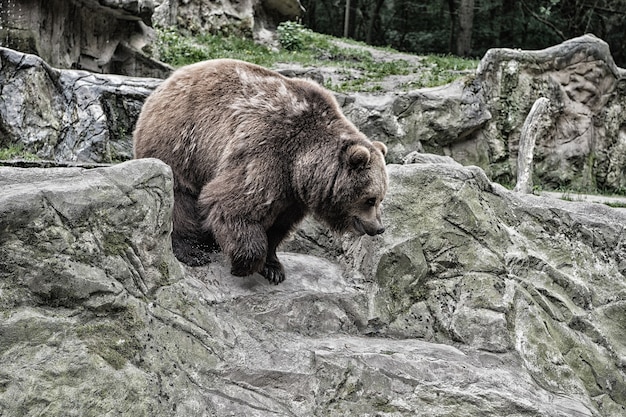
{"points": [[207, 116]]}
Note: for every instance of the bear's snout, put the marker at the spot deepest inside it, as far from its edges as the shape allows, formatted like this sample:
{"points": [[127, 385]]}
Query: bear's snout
{"points": [[362, 227], [377, 231]]}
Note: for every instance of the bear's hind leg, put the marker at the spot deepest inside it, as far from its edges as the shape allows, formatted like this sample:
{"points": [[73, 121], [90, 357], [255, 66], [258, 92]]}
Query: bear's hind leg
{"points": [[190, 245], [191, 252]]}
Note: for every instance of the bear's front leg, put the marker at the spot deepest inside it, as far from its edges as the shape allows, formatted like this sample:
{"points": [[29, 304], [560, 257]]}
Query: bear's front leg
{"points": [[249, 250], [245, 243], [246, 246], [273, 270]]}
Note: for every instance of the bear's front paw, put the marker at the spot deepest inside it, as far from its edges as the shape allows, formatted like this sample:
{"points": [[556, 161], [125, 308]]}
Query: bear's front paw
{"points": [[244, 266], [274, 272]]}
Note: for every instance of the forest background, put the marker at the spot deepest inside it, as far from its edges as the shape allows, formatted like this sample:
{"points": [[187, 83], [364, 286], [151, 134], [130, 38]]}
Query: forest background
{"points": [[469, 27]]}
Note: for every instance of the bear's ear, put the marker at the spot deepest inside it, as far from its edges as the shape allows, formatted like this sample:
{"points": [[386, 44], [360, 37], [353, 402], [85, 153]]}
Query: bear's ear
{"points": [[358, 155], [380, 146]]}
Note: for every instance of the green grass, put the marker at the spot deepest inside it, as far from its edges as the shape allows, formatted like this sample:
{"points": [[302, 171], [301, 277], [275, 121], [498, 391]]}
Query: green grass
{"points": [[359, 69], [579, 196], [615, 204], [441, 69], [17, 152]]}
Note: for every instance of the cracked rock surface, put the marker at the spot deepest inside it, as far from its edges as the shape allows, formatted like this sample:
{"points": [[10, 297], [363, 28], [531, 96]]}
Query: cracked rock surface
{"points": [[68, 115], [103, 36], [474, 302]]}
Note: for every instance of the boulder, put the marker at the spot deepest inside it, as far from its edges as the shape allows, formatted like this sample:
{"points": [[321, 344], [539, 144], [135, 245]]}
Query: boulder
{"points": [[240, 18], [585, 149], [427, 120], [466, 263], [96, 35], [68, 115], [475, 302]]}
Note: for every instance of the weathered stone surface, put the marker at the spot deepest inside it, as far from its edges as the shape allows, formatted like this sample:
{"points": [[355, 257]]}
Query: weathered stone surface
{"points": [[95, 35], [68, 115], [423, 120], [82, 253], [475, 302], [244, 17], [466, 263], [66, 231], [586, 147], [535, 126]]}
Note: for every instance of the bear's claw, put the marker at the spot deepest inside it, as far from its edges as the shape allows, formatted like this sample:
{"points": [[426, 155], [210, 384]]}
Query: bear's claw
{"points": [[273, 272]]}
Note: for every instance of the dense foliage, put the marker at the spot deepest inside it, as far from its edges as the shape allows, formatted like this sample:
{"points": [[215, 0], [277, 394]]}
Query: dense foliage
{"points": [[470, 27]]}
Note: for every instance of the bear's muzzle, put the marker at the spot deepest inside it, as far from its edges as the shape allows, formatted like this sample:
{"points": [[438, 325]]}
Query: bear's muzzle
{"points": [[361, 227]]}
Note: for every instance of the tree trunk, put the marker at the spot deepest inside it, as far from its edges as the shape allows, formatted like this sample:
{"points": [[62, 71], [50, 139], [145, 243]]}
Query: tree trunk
{"points": [[309, 17], [453, 23], [466, 27], [373, 21], [346, 22]]}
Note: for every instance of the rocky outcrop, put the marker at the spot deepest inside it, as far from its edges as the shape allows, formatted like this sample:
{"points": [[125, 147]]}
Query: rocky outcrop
{"points": [[585, 147], [475, 302], [241, 18], [109, 36], [102, 36], [423, 120], [67, 115]]}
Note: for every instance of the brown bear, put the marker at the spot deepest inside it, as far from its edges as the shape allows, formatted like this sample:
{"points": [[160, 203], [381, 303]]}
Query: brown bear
{"points": [[253, 152]]}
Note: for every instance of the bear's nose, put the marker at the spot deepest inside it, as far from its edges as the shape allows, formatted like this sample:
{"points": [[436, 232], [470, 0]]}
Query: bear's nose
{"points": [[380, 231]]}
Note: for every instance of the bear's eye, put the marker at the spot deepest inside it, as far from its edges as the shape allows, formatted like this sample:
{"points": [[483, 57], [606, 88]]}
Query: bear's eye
{"points": [[371, 202]]}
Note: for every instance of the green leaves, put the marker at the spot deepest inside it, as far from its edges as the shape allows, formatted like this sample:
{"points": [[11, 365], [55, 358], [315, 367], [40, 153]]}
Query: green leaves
{"points": [[293, 36]]}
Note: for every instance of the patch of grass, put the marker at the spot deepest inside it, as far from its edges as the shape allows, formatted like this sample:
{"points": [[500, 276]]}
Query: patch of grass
{"points": [[359, 70], [579, 196], [442, 69], [615, 204], [177, 49], [17, 152], [293, 36]]}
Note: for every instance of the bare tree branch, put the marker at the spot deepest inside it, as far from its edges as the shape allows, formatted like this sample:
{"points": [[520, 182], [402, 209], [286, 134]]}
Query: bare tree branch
{"points": [[544, 21]]}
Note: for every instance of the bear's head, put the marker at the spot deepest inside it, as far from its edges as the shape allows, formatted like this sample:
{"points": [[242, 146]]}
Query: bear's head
{"points": [[352, 198]]}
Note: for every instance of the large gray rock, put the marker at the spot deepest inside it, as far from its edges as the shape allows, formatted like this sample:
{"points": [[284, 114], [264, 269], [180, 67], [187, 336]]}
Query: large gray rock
{"points": [[585, 148], [475, 302], [68, 115], [428, 120], [466, 263], [243, 17], [95, 35]]}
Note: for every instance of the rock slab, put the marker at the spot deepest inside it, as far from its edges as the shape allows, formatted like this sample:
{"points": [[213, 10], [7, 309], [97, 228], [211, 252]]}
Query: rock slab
{"points": [[68, 115], [103, 36], [475, 302]]}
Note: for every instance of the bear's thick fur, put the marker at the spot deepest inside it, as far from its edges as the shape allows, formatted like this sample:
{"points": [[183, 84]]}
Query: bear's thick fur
{"points": [[253, 152]]}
